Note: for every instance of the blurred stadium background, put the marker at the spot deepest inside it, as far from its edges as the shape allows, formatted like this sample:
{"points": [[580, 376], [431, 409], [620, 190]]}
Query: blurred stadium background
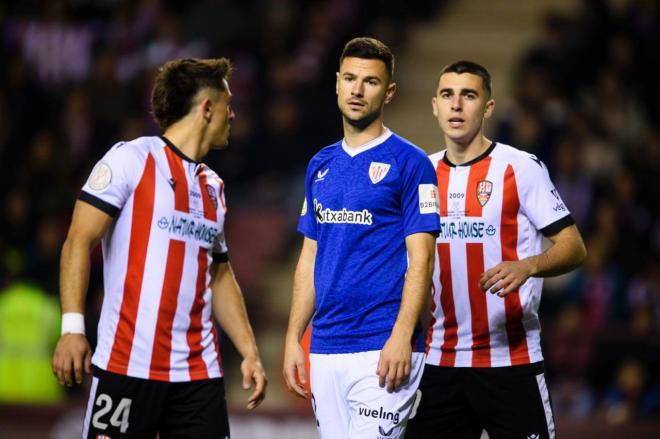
{"points": [[575, 81]]}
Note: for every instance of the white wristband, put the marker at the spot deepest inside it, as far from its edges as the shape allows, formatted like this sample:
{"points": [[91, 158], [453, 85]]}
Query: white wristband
{"points": [[73, 323]]}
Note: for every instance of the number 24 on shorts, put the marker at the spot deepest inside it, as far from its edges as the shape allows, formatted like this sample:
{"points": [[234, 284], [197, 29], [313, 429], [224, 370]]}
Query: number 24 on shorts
{"points": [[119, 417]]}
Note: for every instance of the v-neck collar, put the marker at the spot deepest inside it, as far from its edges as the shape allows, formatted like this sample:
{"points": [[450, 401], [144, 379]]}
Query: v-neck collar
{"points": [[353, 151]]}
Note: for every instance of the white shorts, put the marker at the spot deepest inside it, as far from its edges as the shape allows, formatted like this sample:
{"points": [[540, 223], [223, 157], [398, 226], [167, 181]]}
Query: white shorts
{"points": [[350, 404]]}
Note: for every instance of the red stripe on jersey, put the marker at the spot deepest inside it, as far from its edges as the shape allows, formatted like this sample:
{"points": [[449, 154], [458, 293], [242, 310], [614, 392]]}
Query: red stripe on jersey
{"points": [[162, 348], [509, 240], [143, 209], [179, 181], [442, 172], [478, 306], [216, 344], [208, 192], [448, 347], [478, 172], [196, 363]]}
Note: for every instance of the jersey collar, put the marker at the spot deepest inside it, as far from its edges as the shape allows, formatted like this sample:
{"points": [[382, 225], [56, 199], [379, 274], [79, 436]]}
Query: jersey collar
{"points": [[353, 151], [482, 156], [177, 151]]}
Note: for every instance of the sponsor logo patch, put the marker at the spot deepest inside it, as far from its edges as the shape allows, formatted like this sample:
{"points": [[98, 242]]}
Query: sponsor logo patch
{"points": [[344, 216], [428, 199], [465, 229], [378, 171], [303, 211], [101, 177], [379, 414], [186, 228], [484, 189]]}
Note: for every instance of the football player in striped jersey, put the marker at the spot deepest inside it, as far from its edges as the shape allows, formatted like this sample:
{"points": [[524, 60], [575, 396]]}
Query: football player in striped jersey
{"points": [[484, 368], [159, 213]]}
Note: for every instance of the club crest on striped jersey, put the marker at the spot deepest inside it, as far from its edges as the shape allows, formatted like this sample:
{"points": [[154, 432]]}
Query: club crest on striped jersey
{"points": [[484, 189], [378, 171], [210, 190]]}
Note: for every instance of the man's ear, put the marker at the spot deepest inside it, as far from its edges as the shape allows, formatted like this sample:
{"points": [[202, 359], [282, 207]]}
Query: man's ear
{"points": [[205, 108], [389, 93], [490, 107]]}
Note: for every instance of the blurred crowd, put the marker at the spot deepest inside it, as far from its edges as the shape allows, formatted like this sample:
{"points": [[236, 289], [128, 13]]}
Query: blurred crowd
{"points": [[587, 102], [75, 78]]}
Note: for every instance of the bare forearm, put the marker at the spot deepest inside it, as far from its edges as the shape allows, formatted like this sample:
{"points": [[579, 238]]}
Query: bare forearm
{"points": [[229, 309], [417, 284], [302, 302], [415, 296], [74, 275], [563, 256]]}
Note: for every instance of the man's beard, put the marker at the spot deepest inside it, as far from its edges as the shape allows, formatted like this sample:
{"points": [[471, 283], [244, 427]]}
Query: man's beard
{"points": [[363, 122]]}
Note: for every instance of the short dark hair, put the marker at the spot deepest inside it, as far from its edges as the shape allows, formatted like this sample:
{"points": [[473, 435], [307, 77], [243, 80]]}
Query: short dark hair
{"points": [[369, 48], [468, 67], [177, 83]]}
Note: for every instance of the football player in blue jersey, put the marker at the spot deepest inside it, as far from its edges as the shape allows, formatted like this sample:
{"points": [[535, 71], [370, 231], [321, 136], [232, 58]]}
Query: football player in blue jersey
{"points": [[369, 220]]}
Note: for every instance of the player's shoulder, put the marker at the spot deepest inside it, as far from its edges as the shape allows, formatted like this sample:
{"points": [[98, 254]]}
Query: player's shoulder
{"points": [[210, 174], [437, 157], [407, 155], [518, 158], [326, 153], [136, 149], [402, 147]]}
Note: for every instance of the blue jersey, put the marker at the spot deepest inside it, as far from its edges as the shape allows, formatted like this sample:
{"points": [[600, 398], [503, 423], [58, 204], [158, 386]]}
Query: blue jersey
{"points": [[360, 204]]}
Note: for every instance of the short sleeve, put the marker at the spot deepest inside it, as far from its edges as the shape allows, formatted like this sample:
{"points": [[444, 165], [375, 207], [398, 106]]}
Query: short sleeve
{"points": [[540, 199], [307, 223], [220, 249], [113, 179], [419, 195]]}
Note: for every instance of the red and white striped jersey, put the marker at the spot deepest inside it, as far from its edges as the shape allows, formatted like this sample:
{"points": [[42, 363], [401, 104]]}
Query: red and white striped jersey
{"points": [[169, 211], [494, 208]]}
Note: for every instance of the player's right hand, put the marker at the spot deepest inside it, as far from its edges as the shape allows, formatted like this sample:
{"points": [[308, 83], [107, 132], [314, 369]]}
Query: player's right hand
{"points": [[72, 358], [294, 369]]}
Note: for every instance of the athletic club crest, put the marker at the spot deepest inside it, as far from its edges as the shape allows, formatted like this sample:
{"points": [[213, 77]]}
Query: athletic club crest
{"points": [[378, 171], [484, 189], [212, 196]]}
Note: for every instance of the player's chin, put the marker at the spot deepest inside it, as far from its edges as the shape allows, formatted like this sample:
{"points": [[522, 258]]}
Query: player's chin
{"points": [[361, 120], [222, 144]]}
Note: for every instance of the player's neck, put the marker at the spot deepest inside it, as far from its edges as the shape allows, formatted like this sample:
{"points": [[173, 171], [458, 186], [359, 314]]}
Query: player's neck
{"points": [[187, 140], [356, 137], [459, 153]]}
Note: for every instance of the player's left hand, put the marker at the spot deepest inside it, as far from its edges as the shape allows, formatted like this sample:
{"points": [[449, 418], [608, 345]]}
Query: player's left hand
{"points": [[505, 277], [394, 362], [253, 371]]}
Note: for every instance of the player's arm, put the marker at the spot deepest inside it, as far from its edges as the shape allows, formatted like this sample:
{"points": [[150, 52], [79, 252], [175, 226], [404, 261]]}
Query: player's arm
{"points": [[566, 253], [302, 310], [395, 358], [229, 310], [72, 356]]}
